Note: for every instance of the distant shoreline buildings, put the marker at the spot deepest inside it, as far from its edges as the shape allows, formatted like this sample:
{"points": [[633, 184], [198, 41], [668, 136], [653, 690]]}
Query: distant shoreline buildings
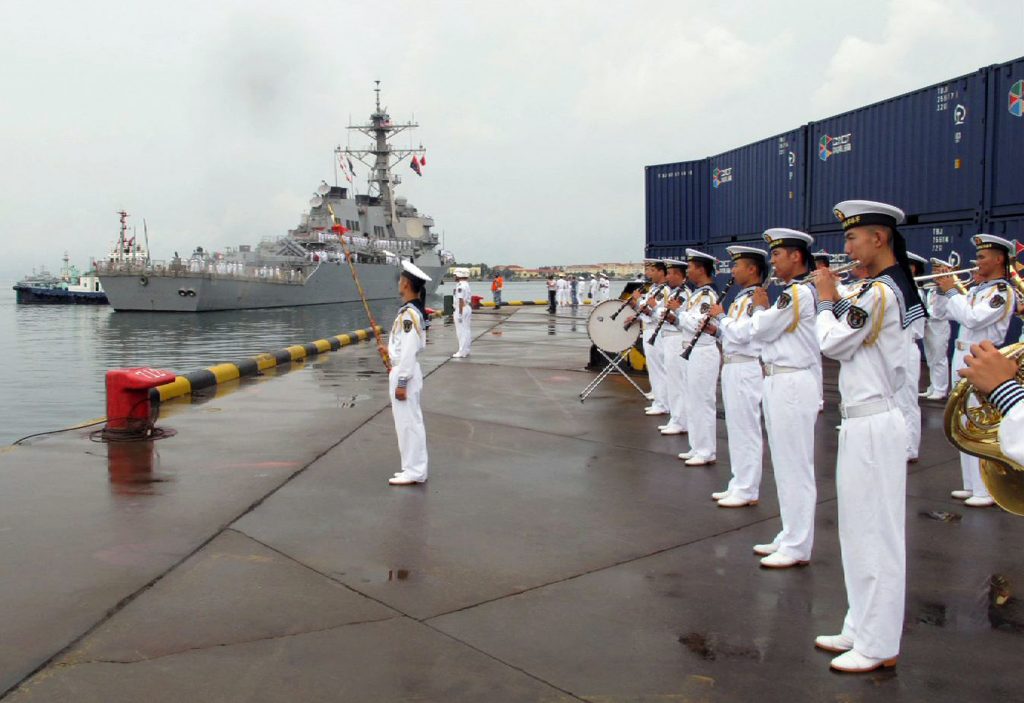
{"points": [[520, 273]]}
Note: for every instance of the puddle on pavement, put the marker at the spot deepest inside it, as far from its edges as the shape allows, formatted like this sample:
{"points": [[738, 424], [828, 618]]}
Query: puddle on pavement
{"points": [[942, 515], [710, 647]]}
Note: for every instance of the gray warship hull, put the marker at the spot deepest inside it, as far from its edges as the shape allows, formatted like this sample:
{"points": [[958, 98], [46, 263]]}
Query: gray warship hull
{"points": [[205, 292]]}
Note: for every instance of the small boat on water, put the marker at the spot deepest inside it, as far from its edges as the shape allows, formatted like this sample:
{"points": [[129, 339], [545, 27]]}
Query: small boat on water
{"points": [[71, 287]]}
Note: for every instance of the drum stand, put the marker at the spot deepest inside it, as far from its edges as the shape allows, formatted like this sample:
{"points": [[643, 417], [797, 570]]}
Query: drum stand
{"points": [[613, 365]]}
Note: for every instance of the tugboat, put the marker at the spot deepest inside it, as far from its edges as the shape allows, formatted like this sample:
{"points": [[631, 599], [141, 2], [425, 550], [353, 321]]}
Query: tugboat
{"points": [[70, 288], [309, 265]]}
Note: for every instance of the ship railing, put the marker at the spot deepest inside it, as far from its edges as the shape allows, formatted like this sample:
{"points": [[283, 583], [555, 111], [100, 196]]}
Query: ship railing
{"points": [[184, 268]]}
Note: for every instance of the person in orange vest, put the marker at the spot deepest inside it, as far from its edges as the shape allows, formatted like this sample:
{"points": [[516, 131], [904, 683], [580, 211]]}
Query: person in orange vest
{"points": [[496, 287]]}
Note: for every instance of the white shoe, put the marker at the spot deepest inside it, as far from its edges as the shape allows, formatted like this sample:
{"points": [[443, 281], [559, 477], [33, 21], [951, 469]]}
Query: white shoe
{"points": [[765, 549], [686, 455], [925, 394], [833, 643], [673, 429], [402, 479], [457, 355], [736, 502], [961, 495], [697, 460], [979, 502], [853, 662], [649, 396], [718, 496], [781, 561], [655, 411], [936, 396]]}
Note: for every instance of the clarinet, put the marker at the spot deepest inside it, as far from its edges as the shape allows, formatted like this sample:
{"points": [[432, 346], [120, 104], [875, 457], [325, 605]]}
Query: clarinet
{"points": [[664, 316], [703, 324], [646, 287]]}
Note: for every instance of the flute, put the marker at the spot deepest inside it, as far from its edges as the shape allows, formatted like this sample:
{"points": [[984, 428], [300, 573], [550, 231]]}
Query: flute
{"points": [[704, 323]]}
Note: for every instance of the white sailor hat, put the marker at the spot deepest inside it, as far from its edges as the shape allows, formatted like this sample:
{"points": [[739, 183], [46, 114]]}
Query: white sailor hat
{"points": [[919, 259], [782, 237], [693, 254], [821, 254], [649, 261], [416, 272], [857, 213], [740, 252], [675, 263], [991, 241]]}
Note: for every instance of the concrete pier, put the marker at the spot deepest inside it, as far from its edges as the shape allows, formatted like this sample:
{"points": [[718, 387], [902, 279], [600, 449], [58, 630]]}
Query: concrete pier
{"points": [[559, 552]]}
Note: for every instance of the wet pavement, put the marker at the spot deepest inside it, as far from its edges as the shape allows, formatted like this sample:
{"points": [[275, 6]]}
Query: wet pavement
{"points": [[560, 551]]}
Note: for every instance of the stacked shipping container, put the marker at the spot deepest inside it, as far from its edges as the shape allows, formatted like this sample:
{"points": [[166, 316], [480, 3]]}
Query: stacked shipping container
{"points": [[951, 155]]}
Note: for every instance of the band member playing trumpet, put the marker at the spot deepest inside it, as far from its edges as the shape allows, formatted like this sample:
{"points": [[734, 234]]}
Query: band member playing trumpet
{"points": [[785, 330], [983, 313], [995, 375], [742, 379], [702, 366], [868, 336]]}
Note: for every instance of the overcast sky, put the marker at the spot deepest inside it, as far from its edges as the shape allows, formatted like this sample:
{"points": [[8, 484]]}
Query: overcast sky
{"points": [[215, 120]]}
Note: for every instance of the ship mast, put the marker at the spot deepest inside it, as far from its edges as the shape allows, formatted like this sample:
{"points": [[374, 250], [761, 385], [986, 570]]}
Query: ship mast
{"points": [[122, 241], [380, 158]]}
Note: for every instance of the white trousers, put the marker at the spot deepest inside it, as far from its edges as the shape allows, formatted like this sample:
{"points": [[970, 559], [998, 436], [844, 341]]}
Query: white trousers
{"points": [[675, 370], [742, 387], [790, 411], [463, 330], [871, 482], [701, 396], [655, 369], [412, 436], [936, 349], [970, 466], [906, 398], [819, 376]]}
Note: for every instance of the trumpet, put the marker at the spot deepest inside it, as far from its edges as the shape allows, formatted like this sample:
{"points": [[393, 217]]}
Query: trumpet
{"points": [[971, 423], [838, 269], [957, 273]]}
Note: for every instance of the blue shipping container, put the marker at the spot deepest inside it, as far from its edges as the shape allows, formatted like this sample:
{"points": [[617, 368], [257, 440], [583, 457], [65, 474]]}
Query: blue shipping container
{"points": [[758, 186], [923, 151], [1005, 172], [676, 202]]}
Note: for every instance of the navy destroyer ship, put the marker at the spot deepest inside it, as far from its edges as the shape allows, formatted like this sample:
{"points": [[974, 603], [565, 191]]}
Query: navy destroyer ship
{"points": [[310, 265]]}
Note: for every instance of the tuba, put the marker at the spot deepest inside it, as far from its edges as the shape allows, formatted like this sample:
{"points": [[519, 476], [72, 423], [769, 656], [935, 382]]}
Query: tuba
{"points": [[972, 425]]}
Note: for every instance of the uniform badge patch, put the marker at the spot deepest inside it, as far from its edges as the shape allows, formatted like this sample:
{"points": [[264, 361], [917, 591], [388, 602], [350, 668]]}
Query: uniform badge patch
{"points": [[784, 301], [407, 325], [750, 310], [856, 317], [1001, 287], [997, 301], [704, 308]]}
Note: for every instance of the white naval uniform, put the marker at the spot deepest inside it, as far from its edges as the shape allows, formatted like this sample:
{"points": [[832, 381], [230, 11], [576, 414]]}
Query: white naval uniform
{"points": [[907, 395], [1008, 397], [676, 368], [563, 291], [936, 347], [701, 374], [605, 288], [790, 352], [742, 388], [406, 340], [464, 319], [866, 335], [984, 313], [593, 291], [652, 352]]}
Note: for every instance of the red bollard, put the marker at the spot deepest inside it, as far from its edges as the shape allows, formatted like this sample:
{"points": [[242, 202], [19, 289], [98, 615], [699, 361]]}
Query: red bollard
{"points": [[128, 406], [474, 302]]}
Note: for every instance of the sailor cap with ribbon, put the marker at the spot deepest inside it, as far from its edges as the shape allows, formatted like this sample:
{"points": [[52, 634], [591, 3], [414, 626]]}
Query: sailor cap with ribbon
{"points": [[694, 255], [653, 261], [416, 272], [782, 237], [919, 259], [822, 255], [675, 263], [860, 213], [991, 241], [741, 252]]}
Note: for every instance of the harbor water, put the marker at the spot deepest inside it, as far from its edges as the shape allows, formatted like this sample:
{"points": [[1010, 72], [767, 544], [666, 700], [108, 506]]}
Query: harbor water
{"points": [[56, 356]]}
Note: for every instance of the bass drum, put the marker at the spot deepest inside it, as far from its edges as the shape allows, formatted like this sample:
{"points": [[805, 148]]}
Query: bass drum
{"points": [[610, 335]]}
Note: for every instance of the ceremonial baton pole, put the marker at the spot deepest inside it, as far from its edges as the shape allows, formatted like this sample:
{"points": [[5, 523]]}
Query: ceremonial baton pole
{"points": [[340, 229]]}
